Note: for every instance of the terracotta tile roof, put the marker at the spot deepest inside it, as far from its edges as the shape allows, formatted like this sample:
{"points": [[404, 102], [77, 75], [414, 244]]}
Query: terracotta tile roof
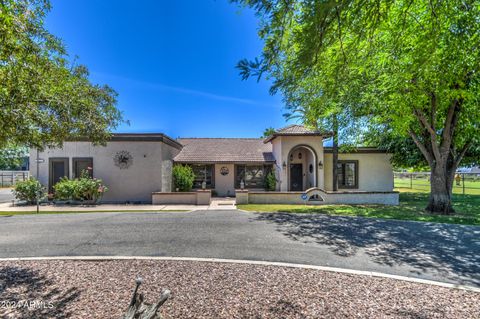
{"points": [[224, 150], [296, 130]]}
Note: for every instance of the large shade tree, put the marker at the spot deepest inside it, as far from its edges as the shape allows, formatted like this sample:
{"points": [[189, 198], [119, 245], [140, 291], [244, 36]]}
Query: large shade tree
{"points": [[45, 97], [409, 65]]}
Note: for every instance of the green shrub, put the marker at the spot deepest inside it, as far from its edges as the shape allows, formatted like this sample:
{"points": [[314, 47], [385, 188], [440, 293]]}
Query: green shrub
{"points": [[183, 177], [66, 189], [84, 188], [28, 190], [270, 182]]}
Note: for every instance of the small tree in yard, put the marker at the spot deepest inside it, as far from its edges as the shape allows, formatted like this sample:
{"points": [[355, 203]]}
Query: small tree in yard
{"points": [[183, 177]]}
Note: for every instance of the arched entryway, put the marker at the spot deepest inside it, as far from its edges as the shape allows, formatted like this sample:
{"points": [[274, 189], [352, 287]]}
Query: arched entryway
{"points": [[302, 170]]}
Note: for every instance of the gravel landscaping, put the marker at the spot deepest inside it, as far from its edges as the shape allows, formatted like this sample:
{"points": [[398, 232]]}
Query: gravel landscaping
{"points": [[102, 289]]}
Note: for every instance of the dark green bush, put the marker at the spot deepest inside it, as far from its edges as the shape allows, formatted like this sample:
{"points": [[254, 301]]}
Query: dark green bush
{"points": [[28, 190], [183, 177], [270, 182]]}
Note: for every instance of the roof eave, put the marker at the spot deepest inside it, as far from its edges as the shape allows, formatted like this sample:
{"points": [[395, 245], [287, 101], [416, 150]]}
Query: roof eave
{"points": [[135, 137], [273, 136], [220, 162]]}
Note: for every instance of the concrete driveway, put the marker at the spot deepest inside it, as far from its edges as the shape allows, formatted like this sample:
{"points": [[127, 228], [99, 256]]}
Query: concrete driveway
{"points": [[441, 252], [6, 195]]}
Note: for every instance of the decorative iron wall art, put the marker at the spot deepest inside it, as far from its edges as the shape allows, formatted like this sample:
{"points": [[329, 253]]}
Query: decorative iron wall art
{"points": [[123, 159], [224, 171]]}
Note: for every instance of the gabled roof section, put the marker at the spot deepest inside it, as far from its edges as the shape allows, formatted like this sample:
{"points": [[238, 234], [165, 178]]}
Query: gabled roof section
{"points": [[296, 130], [224, 150]]}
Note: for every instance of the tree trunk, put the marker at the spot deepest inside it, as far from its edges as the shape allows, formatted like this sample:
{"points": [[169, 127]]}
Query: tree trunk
{"points": [[441, 183], [139, 309], [335, 154]]}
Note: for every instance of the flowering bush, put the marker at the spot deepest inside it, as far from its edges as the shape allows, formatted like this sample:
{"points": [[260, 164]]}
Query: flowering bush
{"points": [[29, 190], [84, 188]]}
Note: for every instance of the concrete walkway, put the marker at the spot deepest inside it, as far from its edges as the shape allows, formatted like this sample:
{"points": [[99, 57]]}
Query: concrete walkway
{"points": [[217, 203], [7, 207]]}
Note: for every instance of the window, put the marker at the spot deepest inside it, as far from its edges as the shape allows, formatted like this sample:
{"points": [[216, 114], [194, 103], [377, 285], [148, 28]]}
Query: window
{"points": [[347, 172], [203, 173], [84, 164], [252, 175]]}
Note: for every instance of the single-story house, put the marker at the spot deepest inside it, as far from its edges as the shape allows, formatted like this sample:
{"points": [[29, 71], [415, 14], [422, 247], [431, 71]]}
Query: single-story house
{"points": [[138, 168]]}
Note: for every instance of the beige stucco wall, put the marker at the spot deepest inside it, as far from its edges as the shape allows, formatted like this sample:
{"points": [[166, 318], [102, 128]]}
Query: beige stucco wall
{"points": [[150, 170], [199, 197], [375, 173], [224, 184], [281, 149]]}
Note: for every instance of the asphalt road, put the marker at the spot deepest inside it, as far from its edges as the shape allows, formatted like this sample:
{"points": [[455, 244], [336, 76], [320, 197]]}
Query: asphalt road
{"points": [[441, 252], [6, 195]]}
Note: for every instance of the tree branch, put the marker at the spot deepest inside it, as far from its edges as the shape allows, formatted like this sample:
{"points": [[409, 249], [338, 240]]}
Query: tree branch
{"points": [[450, 122], [340, 34], [433, 135], [422, 147], [433, 110], [462, 153]]}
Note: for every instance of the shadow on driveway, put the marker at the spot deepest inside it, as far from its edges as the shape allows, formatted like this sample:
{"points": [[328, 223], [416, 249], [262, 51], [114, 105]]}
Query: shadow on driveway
{"points": [[27, 294], [452, 250]]}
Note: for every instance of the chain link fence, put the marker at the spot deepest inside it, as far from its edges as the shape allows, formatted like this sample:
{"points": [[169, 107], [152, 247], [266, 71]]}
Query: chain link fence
{"points": [[10, 178], [465, 183]]}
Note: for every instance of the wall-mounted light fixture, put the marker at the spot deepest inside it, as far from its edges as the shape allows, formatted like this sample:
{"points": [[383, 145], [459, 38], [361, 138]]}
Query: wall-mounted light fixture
{"points": [[320, 164], [284, 165]]}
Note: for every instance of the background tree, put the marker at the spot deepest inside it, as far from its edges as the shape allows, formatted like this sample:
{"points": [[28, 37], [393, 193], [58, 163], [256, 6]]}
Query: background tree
{"points": [[406, 154], [46, 99], [12, 157], [268, 132], [410, 65]]}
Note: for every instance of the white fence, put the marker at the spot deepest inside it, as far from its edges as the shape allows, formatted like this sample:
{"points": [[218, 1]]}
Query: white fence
{"points": [[10, 178]]}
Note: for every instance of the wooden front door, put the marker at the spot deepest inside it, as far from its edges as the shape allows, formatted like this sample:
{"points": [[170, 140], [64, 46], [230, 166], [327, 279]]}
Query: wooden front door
{"points": [[296, 177]]}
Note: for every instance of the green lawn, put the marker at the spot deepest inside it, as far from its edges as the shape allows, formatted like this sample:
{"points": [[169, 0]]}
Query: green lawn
{"points": [[411, 208]]}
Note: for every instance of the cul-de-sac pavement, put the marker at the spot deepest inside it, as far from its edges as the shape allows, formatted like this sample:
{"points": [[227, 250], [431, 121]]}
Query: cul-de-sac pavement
{"points": [[441, 252]]}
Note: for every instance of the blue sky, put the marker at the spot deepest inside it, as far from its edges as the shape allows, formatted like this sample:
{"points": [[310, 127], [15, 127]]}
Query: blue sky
{"points": [[172, 63]]}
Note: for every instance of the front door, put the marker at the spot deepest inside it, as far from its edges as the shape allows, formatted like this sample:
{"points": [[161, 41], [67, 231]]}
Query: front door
{"points": [[58, 169], [296, 177]]}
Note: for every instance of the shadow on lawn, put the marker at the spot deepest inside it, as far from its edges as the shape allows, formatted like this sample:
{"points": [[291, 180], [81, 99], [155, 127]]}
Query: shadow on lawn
{"points": [[19, 285], [452, 250]]}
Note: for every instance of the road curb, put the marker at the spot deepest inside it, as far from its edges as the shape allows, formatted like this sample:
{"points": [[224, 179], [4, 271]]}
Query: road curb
{"points": [[254, 262]]}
